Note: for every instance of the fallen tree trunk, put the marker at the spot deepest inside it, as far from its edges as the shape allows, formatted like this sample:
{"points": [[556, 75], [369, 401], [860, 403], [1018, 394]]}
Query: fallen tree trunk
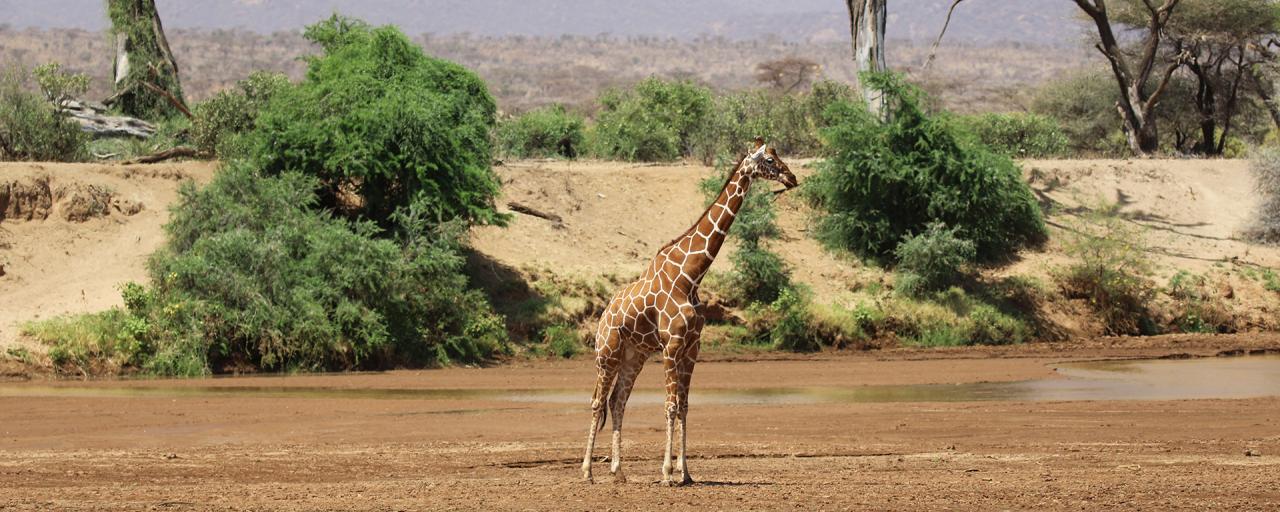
{"points": [[93, 119], [178, 152], [520, 208]]}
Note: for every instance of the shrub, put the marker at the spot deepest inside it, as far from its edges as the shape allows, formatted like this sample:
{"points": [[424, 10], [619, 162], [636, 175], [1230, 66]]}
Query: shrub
{"points": [[383, 127], [886, 181], [283, 285], [990, 326], [758, 275], [1196, 307], [789, 122], [562, 341], [253, 276], [932, 260], [58, 85], [1018, 135], [654, 121], [790, 327], [220, 120], [87, 344], [951, 318], [1084, 106], [545, 132], [1111, 270], [1265, 166], [32, 128]]}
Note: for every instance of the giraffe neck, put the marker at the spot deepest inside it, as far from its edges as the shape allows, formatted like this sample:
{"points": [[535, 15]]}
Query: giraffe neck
{"points": [[703, 241]]}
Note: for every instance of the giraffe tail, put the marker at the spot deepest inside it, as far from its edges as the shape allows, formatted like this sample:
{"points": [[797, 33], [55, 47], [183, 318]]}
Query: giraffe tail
{"points": [[607, 391]]}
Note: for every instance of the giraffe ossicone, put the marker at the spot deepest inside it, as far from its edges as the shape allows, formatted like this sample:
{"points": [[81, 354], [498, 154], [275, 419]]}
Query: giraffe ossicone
{"points": [[660, 313]]}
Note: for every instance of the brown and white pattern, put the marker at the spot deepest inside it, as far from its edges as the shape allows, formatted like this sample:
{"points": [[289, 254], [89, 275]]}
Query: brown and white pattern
{"points": [[660, 312]]}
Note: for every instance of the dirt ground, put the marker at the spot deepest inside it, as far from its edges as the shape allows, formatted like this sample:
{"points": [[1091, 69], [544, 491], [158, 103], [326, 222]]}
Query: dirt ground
{"points": [[170, 450], [53, 265]]}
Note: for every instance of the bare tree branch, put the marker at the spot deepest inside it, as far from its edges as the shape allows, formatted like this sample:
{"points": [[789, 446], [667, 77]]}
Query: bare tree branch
{"points": [[933, 51], [168, 96], [178, 152]]}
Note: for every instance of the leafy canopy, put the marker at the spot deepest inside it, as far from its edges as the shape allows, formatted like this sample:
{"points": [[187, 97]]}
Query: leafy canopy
{"points": [[377, 118], [884, 182]]}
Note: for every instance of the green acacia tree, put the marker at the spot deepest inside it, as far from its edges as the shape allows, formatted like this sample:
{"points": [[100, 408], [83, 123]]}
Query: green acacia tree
{"points": [[384, 127], [145, 72]]}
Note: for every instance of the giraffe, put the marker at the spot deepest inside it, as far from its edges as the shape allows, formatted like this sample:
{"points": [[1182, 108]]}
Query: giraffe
{"points": [[660, 312]]}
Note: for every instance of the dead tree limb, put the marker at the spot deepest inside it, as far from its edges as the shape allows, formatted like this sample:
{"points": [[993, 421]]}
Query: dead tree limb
{"points": [[178, 152], [933, 51], [168, 96], [520, 208]]}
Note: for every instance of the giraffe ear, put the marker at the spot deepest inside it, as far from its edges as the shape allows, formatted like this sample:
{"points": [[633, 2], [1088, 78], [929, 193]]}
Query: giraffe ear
{"points": [[755, 144], [758, 154]]}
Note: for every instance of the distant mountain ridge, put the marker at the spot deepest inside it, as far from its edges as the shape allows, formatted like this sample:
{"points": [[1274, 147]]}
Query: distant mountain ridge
{"points": [[1042, 22]]}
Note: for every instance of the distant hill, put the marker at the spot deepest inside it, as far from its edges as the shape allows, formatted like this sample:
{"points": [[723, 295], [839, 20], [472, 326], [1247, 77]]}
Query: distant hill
{"points": [[1040, 22]]}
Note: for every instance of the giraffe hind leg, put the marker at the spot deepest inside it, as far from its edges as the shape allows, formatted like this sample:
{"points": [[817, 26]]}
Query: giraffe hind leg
{"points": [[632, 363], [607, 365]]}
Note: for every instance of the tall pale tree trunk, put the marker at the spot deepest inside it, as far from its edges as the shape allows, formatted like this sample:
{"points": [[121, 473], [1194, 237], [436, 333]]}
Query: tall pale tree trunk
{"points": [[867, 26], [145, 71]]}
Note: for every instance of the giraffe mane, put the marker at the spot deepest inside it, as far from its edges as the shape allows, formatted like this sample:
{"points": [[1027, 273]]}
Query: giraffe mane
{"points": [[727, 179]]}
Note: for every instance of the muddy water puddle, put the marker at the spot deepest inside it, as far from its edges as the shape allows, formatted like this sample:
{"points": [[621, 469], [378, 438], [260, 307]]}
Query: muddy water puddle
{"points": [[1171, 379]]}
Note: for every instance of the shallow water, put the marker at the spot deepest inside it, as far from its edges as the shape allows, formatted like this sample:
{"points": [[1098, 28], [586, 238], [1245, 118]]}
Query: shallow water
{"points": [[1172, 379]]}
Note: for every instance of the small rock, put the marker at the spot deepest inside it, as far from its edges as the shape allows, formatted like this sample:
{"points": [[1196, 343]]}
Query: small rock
{"points": [[170, 456], [1252, 453], [1, 270]]}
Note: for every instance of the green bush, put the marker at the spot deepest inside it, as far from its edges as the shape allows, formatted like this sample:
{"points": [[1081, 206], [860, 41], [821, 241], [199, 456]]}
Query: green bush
{"points": [[377, 119], [990, 326], [654, 121], [562, 341], [545, 132], [1196, 307], [951, 318], [58, 85], [255, 277], [886, 181], [219, 121], [758, 275], [790, 122], [31, 127], [790, 329], [1084, 105], [932, 260], [87, 344], [1111, 270], [282, 285], [1018, 135]]}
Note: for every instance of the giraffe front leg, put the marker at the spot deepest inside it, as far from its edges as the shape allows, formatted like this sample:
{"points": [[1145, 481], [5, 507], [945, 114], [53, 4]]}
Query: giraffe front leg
{"points": [[682, 409], [671, 367]]}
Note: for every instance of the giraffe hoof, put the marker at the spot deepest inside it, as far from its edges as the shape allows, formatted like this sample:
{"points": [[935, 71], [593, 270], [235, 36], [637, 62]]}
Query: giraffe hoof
{"points": [[688, 480], [666, 482], [619, 478]]}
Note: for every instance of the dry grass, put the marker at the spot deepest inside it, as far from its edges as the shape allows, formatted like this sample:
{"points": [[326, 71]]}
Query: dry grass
{"points": [[527, 72]]}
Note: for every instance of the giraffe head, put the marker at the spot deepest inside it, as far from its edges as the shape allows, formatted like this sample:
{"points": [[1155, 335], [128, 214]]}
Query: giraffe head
{"points": [[763, 162]]}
